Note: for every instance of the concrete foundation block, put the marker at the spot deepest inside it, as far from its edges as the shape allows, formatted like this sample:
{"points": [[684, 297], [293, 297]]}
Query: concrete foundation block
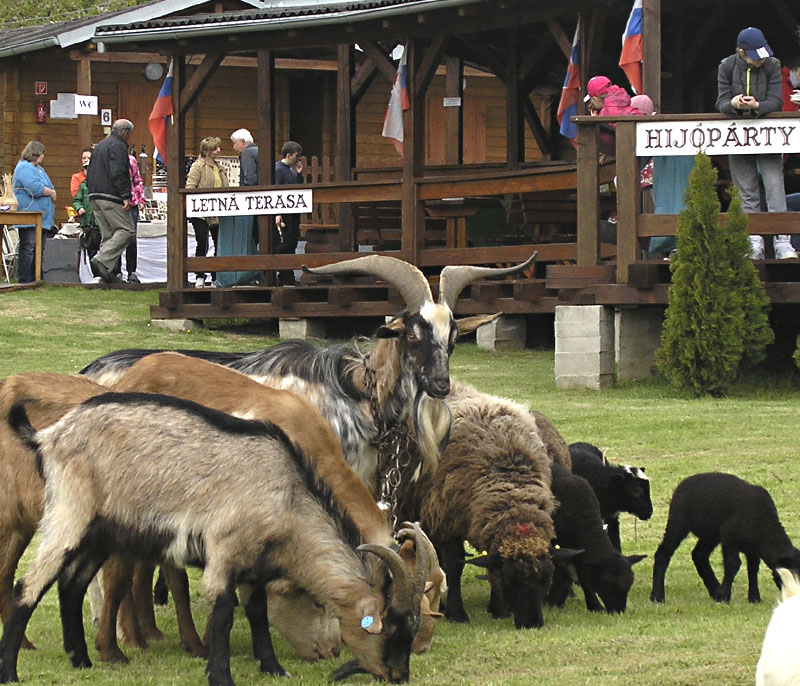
{"points": [[178, 324], [584, 353], [637, 337], [592, 382], [301, 327], [504, 333]]}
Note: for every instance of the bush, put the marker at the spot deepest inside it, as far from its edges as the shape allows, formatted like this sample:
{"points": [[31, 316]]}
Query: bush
{"points": [[716, 321]]}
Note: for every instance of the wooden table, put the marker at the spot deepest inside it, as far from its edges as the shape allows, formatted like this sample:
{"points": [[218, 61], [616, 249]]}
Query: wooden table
{"points": [[456, 211], [12, 217]]}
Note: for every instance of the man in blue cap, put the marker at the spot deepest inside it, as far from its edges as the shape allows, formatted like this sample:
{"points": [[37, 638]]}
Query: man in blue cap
{"points": [[749, 85]]}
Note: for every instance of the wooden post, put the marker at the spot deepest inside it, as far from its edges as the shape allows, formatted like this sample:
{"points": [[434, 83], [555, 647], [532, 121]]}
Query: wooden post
{"points": [[515, 141], [265, 103], [628, 192], [651, 50], [176, 177], [454, 116], [345, 138], [412, 235], [588, 195], [84, 87]]}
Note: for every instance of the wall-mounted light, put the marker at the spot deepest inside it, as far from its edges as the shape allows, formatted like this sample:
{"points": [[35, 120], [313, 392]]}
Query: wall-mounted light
{"points": [[153, 71]]}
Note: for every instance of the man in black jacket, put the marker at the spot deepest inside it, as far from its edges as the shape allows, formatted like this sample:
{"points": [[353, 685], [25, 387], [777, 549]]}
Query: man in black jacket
{"points": [[288, 169], [109, 182]]}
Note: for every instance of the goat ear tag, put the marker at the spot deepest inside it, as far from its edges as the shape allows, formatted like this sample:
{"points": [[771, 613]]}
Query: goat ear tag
{"points": [[367, 622]]}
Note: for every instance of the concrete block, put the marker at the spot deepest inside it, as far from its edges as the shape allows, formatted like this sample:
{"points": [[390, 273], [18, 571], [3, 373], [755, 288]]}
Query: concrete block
{"points": [[637, 337], [582, 344], [571, 364], [589, 381], [178, 324], [504, 333], [301, 327], [584, 320]]}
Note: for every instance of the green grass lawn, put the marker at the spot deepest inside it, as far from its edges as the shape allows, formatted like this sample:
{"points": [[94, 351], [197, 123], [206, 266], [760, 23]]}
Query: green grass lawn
{"points": [[688, 641]]}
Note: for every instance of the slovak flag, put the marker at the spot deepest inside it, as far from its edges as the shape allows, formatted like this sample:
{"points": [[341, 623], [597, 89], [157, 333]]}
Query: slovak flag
{"points": [[157, 121], [399, 102], [631, 58], [568, 105]]}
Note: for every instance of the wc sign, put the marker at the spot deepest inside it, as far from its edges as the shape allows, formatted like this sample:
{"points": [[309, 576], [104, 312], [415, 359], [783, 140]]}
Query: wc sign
{"points": [[85, 104]]}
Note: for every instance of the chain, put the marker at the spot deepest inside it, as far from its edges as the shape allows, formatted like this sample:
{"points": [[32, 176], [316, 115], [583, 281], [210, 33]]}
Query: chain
{"points": [[393, 445]]}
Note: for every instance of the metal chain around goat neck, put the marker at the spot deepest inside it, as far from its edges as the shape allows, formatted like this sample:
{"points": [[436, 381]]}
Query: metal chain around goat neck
{"points": [[392, 443]]}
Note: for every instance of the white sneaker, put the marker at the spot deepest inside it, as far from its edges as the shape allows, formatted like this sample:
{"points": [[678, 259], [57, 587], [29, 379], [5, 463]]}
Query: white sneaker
{"points": [[756, 247], [199, 283], [97, 279], [783, 248]]}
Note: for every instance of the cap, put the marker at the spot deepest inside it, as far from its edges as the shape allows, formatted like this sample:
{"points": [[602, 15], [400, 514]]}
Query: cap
{"points": [[598, 85], [755, 46], [643, 103]]}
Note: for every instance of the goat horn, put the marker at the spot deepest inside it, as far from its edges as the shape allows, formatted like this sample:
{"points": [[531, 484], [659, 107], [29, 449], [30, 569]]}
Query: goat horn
{"points": [[453, 280], [403, 585], [427, 560], [409, 280]]}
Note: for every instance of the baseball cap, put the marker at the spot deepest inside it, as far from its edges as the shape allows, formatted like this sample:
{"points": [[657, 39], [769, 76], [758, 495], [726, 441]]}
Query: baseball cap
{"points": [[755, 46], [598, 85]]}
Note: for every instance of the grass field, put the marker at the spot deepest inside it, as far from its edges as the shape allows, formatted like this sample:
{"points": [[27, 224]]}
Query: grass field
{"points": [[688, 641]]}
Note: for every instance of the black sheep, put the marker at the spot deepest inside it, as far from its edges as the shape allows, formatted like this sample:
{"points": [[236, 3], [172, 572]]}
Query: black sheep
{"points": [[601, 570], [619, 488], [722, 508]]}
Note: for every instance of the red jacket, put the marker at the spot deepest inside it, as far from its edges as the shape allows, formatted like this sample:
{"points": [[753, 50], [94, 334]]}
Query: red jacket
{"points": [[617, 103], [787, 88]]}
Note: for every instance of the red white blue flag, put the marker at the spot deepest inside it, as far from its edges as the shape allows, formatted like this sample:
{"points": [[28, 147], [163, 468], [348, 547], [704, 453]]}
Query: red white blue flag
{"points": [[399, 102], [157, 121], [631, 58], [568, 105]]}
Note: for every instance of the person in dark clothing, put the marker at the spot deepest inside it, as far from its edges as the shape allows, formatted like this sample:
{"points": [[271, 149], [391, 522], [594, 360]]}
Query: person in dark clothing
{"points": [[288, 170], [109, 182]]}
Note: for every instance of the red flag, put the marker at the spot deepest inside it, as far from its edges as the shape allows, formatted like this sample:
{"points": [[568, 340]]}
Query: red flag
{"points": [[568, 105], [399, 102], [631, 58], [157, 121]]}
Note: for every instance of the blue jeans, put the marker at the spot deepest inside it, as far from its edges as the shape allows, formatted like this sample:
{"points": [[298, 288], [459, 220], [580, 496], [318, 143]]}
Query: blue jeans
{"points": [[26, 250]]}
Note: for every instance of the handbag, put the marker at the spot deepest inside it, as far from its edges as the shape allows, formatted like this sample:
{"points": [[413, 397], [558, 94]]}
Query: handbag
{"points": [[90, 238]]}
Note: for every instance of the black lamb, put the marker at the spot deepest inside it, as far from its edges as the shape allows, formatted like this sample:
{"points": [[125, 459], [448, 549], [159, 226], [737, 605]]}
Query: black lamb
{"points": [[724, 509], [600, 569], [619, 488]]}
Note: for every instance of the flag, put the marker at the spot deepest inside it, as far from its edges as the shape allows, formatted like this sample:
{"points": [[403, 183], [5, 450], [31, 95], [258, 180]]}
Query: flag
{"points": [[630, 60], [399, 102], [157, 121], [568, 105]]}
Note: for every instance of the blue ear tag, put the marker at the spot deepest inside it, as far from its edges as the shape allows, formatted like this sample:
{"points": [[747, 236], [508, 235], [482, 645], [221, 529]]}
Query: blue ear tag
{"points": [[367, 622]]}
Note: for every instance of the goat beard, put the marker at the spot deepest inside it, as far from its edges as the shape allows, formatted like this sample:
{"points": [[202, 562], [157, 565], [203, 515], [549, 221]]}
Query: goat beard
{"points": [[432, 421]]}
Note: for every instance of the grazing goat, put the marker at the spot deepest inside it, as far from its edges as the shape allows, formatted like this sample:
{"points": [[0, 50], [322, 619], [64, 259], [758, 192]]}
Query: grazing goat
{"points": [[366, 396], [779, 664], [601, 570], [50, 396], [492, 488], [230, 391], [724, 509], [174, 480], [619, 488]]}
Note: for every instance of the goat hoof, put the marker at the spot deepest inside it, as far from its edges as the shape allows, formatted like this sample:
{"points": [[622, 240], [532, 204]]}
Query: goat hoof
{"points": [[754, 599], [154, 634], [195, 649], [114, 656], [27, 645], [657, 597], [459, 618]]}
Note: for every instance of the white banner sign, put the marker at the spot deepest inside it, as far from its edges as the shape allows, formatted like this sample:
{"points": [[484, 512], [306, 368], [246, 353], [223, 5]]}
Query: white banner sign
{"points": [[248, 202], [718, 137]]}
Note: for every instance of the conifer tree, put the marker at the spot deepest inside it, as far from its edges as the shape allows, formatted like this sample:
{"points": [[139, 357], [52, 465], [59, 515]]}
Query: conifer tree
{"points": [[702, 340], [752, 296]]}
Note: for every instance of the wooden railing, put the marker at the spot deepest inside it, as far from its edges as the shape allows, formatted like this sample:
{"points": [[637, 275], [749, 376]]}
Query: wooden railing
{"points": [[12, 217], [633, 227]]}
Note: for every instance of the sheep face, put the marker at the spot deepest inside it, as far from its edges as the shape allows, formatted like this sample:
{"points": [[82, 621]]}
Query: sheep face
{"points": [[521, 584], [308, 626], [612, 578], [633, 489]]}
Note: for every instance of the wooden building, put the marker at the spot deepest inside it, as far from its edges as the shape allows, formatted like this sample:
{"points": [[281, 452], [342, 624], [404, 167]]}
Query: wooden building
{"points": [[486, 178]]}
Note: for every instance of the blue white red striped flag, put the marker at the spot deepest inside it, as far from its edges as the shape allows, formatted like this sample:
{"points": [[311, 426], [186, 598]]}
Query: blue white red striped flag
{"points": [[157, 121], [399, 102], [568, 105], [630, 60]]}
